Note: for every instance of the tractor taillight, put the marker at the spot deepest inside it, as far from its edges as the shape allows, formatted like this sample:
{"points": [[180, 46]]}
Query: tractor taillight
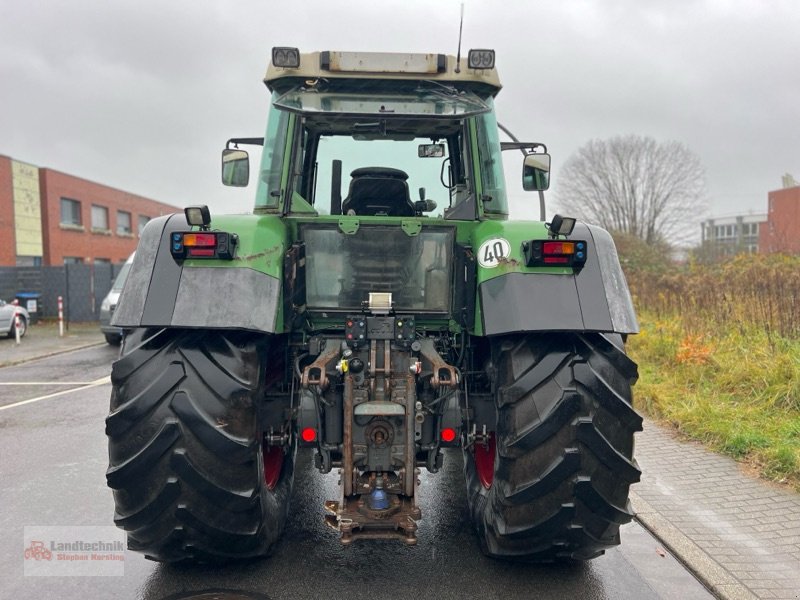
{"points": [[200, 239], [448, 434], [558, 247], [551, 253], [216, 244]]}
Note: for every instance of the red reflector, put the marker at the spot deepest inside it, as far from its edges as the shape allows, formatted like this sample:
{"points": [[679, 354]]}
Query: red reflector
{"points": [[558, 248], [309, 434], [556, 260], [448, 434], [200, 252], [199, 239]]}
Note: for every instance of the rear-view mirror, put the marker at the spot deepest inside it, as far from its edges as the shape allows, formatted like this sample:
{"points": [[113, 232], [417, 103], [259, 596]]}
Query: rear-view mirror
{"points": [[431, 150], [536, 172], [235, 167]]}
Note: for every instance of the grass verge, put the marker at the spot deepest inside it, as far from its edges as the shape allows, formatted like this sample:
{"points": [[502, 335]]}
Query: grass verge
{"points": [[736, 389]]}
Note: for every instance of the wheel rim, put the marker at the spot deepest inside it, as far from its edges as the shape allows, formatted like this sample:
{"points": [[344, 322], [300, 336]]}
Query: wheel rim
{"points": [[273, 464], [484, 461]]}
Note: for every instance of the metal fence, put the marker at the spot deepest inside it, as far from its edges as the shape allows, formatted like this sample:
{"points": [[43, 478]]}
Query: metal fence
{"points": [[82, 287]]}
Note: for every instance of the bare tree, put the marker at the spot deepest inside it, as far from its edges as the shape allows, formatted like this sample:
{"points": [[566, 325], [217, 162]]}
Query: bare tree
{"points": [[635, 185]]}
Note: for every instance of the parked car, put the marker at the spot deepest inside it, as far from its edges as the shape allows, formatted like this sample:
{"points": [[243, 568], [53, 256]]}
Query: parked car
{"points": [[114, 334], [7, 319]]}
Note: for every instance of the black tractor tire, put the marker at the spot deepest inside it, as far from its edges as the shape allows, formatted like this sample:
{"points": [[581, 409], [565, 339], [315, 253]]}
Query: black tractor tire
{"points": [[564, 443], [185, 451], [113, 339]]}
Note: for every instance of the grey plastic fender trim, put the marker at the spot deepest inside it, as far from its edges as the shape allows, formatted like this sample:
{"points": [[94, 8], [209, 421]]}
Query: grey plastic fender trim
{"points": [[160, 292], [594, 299]]}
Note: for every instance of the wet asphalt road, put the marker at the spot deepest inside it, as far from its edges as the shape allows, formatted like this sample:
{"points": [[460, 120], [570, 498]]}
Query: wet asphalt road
{"points": [[52, 467]]}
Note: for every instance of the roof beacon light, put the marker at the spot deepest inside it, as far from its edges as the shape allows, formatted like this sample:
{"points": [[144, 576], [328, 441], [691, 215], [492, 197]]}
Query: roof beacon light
{"points": [[198, 216], [288, 58], [480, 59]]}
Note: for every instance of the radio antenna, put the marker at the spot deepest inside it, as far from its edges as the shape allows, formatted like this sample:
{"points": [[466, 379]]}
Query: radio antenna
{"points": [[460, 28]]}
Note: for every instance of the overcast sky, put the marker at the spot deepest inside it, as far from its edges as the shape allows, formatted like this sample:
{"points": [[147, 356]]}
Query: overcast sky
{"points": [[141, 95]]}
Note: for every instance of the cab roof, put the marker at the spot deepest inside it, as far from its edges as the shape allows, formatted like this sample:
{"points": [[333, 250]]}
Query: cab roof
{"points": [[376, 66]]}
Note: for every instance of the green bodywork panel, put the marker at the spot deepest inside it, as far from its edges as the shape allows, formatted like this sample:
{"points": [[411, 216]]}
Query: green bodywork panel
{"points": [[264, 239], [513, 232]]}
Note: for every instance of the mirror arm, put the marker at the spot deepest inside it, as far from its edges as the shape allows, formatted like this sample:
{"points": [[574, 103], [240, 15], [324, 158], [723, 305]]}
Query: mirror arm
{"points": [[247, 141], [541, 207], [524, 147]]}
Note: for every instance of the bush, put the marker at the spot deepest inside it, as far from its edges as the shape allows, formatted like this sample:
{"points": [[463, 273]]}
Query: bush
{"points": [[763, 291]]}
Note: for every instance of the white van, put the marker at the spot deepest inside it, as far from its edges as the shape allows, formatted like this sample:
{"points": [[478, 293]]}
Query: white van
{"points": [[114, 334]]}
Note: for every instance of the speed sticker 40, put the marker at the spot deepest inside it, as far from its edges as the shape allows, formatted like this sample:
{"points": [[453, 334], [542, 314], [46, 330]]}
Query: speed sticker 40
{"points": [[492, 252]]}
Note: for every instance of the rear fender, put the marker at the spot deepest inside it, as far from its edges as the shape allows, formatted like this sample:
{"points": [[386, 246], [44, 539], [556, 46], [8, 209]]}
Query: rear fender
{"points": [[595, 298], [243, 293]]}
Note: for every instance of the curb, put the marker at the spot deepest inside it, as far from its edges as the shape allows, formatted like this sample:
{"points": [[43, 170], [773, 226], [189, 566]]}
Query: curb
{"points": [[709, 572], [19, 361]]}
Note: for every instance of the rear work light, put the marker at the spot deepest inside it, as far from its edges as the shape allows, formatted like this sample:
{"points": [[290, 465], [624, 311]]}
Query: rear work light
{"points": [[554, 253], [287, 58], [205, 244], [480, 59]]}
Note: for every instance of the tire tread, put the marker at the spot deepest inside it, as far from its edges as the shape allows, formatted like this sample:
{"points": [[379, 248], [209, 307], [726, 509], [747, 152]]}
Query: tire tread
{"points": [[564, 459], [184, 448]]}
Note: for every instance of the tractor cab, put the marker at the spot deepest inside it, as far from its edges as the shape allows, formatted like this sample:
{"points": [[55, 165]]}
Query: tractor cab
{"points": [[381, 135]]}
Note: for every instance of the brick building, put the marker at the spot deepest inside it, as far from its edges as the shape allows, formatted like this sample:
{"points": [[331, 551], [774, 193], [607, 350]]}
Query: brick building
{"points": [[50, 218], [776, 231], [782, 233]]}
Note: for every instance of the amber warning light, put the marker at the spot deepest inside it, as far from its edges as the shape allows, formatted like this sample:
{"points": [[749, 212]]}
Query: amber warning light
{"points": [[206, 244], [552, 253]]}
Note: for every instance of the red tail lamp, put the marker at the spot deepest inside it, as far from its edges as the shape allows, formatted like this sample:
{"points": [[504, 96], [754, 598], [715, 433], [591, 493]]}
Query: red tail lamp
{"points": [[448, 434], [309, 434]]}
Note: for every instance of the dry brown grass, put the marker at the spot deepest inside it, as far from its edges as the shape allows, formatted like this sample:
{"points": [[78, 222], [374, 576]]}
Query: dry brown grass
{"points": [[760, 291]]}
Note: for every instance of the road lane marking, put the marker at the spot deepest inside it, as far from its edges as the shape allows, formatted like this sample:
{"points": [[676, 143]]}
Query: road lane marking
{"points": [[101, 381], [47, 383]]}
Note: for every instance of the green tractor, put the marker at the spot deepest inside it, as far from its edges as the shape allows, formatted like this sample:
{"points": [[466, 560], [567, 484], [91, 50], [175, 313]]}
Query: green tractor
{"points": [[374, 326]]}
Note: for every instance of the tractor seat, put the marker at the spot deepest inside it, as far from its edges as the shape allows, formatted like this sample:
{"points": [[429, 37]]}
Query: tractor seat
{"points": [[378, 191]]}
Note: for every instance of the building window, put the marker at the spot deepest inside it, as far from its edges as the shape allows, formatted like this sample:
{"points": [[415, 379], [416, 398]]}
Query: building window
{"points": [[73, 260], [70, 212], [143, 220], [102, 261], [124, 223], [99, 217]]}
